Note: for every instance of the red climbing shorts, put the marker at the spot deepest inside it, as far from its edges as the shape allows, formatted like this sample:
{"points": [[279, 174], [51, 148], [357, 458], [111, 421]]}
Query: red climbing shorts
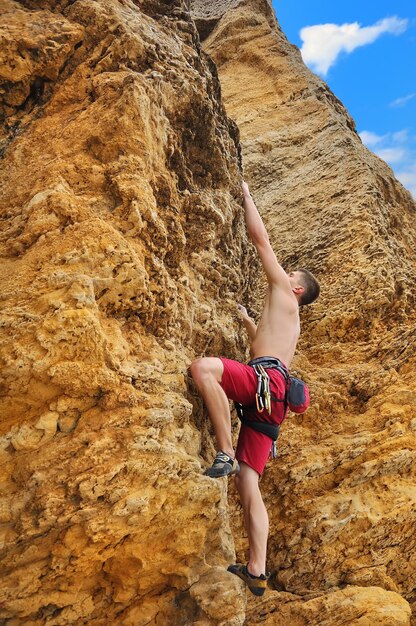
{"points": [[239, 382]]}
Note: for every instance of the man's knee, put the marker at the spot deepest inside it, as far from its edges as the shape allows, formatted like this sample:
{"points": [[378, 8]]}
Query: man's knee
{"points": [[206, 366], [197, 369]]}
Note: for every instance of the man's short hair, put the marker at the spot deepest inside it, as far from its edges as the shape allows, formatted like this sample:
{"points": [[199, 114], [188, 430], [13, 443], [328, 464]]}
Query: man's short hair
{"points": [[311, 286]]}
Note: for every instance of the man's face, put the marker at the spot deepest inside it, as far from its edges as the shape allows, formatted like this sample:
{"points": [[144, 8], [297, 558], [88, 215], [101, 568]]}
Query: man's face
{"points": [[294, 279]]}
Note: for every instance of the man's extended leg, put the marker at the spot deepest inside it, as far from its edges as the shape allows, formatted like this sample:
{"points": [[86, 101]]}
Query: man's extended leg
{"points": [[207, 374], [255, 517]]}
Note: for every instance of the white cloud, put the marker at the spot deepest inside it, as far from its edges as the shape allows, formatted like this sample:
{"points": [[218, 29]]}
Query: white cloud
{"points": [[370, 139], [391, 155], [408, 179], [402, 136], [398, 149], [401, 102], [323, 43]]}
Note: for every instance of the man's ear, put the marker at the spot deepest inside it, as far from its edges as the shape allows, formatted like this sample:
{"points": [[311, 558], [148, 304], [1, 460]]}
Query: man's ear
{"points": [[298, 290]]}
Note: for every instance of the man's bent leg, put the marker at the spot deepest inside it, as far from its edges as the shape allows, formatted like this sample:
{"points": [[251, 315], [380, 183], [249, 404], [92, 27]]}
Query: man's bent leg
{"points": [[255, 517], [207, 374]]}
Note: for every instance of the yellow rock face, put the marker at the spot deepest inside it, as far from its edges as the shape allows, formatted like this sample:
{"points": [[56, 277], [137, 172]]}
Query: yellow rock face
{"points": [[123, 254]]}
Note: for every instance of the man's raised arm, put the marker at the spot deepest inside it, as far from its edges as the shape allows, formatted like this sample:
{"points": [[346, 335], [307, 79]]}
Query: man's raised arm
{"points": [[258, 235]]}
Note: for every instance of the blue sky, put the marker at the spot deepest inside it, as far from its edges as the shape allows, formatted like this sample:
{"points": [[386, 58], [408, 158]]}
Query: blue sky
{"points": [[366, 53]]}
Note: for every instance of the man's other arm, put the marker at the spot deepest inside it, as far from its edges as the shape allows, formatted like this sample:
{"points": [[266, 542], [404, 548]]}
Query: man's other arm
{"points": [[249, 324], [258, 235]]}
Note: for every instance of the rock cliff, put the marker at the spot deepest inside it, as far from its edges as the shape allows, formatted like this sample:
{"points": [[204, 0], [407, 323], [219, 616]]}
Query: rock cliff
{"points": [[123, 253]]}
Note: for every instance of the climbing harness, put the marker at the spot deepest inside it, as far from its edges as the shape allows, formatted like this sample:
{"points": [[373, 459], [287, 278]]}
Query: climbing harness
{"points": [[296, 397], [264, 399]]}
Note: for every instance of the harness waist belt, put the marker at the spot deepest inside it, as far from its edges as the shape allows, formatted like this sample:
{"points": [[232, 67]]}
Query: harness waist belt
{"points": [[270, 362]]}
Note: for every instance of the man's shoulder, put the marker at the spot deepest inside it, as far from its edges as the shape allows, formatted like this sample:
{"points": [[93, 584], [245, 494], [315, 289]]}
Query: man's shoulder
{"points": [[283, 298]]}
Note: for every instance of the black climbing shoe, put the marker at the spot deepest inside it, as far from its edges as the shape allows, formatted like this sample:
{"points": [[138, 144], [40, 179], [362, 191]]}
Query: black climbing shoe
{"points": [[256, 584], [223, 465]]}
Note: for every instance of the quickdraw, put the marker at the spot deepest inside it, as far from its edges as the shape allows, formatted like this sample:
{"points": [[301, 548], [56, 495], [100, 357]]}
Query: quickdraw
{"points": [[263, 395]]}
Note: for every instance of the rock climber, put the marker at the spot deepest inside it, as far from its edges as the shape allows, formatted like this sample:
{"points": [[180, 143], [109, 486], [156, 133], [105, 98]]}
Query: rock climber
{"points": [[218, 380]]}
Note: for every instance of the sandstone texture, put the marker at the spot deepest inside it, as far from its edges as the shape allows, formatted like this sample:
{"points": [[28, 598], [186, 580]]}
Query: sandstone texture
{"points": [[123, 255], [341, 495]]}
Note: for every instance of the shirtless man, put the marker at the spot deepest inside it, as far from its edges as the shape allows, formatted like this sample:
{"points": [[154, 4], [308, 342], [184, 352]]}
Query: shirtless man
{"points": [[221, 379]]}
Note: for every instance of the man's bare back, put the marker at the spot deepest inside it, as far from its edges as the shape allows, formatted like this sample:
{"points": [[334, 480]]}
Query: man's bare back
{"points": [[278, 330]]}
